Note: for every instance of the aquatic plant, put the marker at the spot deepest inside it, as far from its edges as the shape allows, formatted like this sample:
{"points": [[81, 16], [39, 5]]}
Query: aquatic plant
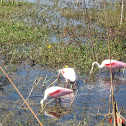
{"points": [[26, 35]]}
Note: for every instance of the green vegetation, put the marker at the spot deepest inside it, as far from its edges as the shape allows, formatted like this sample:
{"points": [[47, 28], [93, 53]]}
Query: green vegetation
{"points": [[26, 34]]}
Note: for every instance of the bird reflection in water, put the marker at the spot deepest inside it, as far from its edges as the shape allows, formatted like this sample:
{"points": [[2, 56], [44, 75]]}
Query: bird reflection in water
{"points": [[57, 111]]}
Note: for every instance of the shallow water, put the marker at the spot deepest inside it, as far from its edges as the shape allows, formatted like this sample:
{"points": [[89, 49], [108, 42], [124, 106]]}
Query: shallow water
{"points": [[93, 94]]}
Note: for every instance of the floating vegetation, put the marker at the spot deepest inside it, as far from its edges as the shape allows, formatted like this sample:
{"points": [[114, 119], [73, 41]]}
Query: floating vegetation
{"points": [[26, 35], [69, 13]]}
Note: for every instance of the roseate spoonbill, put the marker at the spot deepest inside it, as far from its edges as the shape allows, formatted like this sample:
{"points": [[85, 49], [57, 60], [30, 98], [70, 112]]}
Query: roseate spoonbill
{"points": [[68, 73], [106, 63], [55, 92]]}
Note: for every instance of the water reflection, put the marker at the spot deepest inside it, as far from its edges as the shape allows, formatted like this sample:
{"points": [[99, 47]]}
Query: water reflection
{"points": [[57, 111], [3, 82]]}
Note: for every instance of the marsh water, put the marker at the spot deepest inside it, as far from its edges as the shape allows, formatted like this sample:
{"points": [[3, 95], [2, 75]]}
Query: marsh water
{"points": [[91, 91]]}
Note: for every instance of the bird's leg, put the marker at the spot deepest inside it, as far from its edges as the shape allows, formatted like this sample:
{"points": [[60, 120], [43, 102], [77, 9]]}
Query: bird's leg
{"points": [[59, 100], [113, 72], [56, 102], [119, 71], [58, 106], [66, 83], [123, 71], [58, 81]]}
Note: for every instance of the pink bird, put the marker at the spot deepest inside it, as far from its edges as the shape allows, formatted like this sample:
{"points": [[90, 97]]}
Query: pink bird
{"points": [[68, 73], [55, 92], [106, 63]]}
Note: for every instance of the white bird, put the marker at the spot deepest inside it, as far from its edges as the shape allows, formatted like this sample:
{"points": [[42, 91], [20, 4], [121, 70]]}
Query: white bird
{"points": [[55, 92], [68, 73]]}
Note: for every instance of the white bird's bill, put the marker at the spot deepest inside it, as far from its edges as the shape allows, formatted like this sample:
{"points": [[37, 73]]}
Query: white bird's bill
{"points": [[91, 69], [41, 102]]}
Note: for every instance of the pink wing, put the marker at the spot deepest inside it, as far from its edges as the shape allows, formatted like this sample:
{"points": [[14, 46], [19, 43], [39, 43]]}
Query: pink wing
{"points": [[60, 92], [116, 65]]}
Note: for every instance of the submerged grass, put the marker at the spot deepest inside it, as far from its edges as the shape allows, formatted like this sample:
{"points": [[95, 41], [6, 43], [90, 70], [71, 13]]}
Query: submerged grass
{"points": [[26, 31]]}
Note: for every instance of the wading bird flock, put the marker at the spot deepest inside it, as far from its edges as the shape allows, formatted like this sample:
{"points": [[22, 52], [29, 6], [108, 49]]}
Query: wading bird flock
{"points": [[69, 74]]}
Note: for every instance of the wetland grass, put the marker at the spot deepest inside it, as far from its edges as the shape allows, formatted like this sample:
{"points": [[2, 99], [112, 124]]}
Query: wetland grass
{"points": [[25, 35], [69, 13]]}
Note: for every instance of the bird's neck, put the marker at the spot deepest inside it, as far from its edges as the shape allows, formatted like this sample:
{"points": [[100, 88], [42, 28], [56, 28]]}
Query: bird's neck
{"points": [[96, 63], [99, 66], [45, 97]]}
